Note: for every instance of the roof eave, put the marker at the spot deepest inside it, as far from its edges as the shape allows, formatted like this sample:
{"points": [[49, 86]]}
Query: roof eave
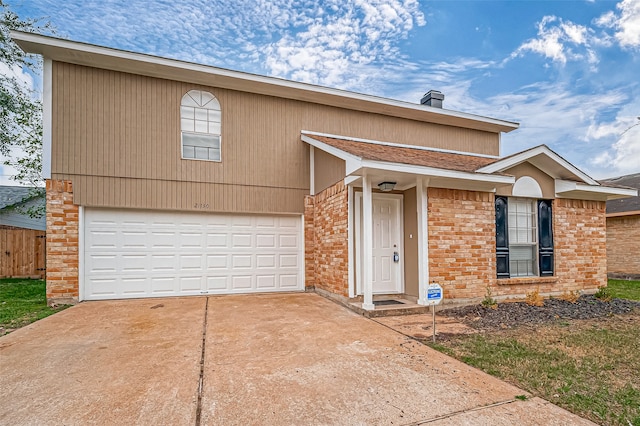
{"points": [[153, 66], [577, 190]]}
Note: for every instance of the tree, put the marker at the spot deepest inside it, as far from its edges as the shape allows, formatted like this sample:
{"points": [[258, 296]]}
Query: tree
{"points": [[20, 105]]}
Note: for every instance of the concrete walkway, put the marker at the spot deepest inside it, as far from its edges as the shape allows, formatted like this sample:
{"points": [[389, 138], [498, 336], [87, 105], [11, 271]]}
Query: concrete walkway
{"points": [[267, 359]]}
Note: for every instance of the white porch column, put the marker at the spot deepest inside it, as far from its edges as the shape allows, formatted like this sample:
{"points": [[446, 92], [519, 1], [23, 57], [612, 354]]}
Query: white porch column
{"points": [[367, 244], [423, 239]]}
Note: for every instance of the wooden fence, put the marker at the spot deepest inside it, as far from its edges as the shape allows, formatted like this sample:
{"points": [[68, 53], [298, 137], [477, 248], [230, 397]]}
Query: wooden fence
{"points": [[22, 253]]}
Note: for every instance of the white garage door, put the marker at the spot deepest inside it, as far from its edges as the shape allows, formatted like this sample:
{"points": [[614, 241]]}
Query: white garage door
{"points": [[130, 253]]}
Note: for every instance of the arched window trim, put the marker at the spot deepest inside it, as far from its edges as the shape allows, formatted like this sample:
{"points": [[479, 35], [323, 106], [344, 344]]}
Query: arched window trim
{"points": [[200, 126]]}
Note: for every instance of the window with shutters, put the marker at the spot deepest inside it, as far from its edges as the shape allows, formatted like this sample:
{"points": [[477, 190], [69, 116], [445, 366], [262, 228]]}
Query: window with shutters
{"points": [[524, 237], [200, 119]]}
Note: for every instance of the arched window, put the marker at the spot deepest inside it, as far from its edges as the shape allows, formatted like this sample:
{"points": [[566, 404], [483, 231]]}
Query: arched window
{"points": [[200, 120]]}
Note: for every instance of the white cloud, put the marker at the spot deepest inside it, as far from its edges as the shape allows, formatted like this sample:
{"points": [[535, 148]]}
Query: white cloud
{"points": [[627, 24], [561, 41], [336, 49]]}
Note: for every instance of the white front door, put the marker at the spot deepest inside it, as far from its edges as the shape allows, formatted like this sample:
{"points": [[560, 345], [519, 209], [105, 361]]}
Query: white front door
{"points": [[387, 243]]}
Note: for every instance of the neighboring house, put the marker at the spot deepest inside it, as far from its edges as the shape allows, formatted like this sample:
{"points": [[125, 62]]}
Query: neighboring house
{"points": [[168, 178], [22, 237], [14, 203], [623, 231]]}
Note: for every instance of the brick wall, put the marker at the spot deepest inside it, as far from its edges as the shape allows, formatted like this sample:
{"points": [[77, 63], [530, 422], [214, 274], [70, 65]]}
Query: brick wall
{"points": [[461, 241], [623, 245], [330, 240], [62, 243], [580, 244], [462, 247]]}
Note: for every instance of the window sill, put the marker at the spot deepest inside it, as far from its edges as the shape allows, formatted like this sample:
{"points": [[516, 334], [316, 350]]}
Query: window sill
{"points": [[527, 280]]}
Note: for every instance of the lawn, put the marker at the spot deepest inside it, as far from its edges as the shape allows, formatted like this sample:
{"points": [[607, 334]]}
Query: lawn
{"points": [[624, 289], [22, 302], [590, 367]]}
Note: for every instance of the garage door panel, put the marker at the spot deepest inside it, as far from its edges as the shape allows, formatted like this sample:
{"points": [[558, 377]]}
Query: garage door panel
{"points": [[164, 286], [217, 262], [288, 241], [266, 281], [189, 240], [98, 238], [241, 282], [265, 240], [217, 240], [266, 261], [134, 286], [131, 253], [164, 263], [241, 261], [190, 284], [288, 281], [218, 284], [241, 241]]}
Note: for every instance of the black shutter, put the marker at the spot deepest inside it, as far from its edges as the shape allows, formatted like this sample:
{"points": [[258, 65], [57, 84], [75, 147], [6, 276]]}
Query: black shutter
{"points": [[545, 238], [502, 238]]}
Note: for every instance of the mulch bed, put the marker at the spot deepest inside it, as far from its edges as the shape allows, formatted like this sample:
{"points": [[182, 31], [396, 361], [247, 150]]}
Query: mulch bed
{"points": [[511, 314]]}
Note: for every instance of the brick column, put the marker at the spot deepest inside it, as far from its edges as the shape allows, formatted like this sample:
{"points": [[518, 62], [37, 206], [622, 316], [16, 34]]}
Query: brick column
{"points": [[62, 243], [309, 242], [331, 242]]}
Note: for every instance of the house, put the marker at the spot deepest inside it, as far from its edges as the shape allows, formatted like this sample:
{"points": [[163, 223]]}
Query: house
{"points": [[14, 203], [22, 237], [623, 231], [168, 178]]}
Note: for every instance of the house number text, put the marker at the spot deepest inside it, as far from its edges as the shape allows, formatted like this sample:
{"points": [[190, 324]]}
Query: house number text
{"points": [[201, 206]]}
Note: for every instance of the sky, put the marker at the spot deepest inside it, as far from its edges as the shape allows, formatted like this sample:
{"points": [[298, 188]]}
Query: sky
{"points": [[567, 71]]}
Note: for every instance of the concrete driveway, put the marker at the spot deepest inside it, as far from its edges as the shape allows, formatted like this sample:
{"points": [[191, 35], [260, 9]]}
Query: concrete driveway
{"points": [[266, 359]]}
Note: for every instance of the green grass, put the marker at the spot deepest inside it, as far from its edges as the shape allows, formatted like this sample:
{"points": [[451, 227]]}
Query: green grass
{"points": [[590, 368], [624, 289], [22, 301]]}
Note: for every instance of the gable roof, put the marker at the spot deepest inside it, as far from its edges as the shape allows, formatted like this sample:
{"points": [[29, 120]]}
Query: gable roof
{"points": [[416, 156], [627, 205], [459, 170], [153, 66], [403, 164], [545, 159]]}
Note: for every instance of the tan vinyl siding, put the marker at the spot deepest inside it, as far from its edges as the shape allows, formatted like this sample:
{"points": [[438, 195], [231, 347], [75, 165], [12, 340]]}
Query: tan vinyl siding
{"points": [[174, 195], [108, 125], [327, 170], [546, 182]]}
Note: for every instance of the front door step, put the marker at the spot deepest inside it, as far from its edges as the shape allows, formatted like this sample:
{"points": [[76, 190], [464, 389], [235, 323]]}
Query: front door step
{"points": [[388, 306]]}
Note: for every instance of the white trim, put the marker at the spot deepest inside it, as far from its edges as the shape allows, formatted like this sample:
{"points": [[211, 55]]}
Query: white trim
{"points": [[367, 242], [563, 187], [348, 180], [343, 155], [81, 289], [312, 170], [523, 156], [303, 263], [434, 172], [423, 238], [172, 69], [47, 108], [526, 186], [397, 145], [358, 201], [350, 245]]}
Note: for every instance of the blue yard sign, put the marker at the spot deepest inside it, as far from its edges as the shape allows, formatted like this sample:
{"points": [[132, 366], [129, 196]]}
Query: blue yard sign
{"points": [[434, 294]]}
